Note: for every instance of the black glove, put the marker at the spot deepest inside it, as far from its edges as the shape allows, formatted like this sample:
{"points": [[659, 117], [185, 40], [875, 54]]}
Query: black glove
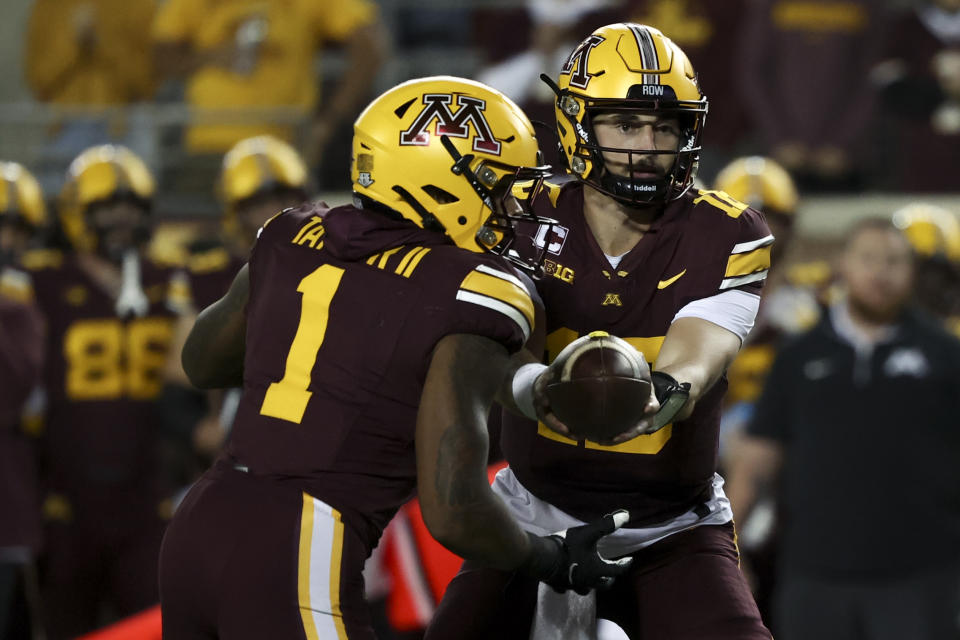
{"points": [[569, 559], [671, 395]]}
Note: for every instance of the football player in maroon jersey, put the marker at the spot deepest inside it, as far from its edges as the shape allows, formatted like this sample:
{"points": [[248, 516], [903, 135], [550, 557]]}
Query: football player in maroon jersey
{"points": [[370, 341], [677, 272], [22, 215], [109, 324], [259, 176]]}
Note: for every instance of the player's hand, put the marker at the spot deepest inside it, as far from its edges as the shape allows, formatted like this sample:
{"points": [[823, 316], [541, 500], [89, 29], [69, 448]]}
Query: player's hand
{"points": [[576, 564], [646, 425], [542, 405]]}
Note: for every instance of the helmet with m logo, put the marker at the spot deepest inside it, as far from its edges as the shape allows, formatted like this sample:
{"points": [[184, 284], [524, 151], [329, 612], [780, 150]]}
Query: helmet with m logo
{"points": [[629, 68], [446, 153], [21, 200]]}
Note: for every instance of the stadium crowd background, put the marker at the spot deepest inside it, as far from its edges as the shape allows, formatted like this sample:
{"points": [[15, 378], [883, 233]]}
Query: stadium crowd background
{"points": [[852, 96]]}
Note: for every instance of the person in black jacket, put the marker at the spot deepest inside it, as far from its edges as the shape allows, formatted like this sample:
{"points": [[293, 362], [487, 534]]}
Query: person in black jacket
{"points": [[858, 424]]}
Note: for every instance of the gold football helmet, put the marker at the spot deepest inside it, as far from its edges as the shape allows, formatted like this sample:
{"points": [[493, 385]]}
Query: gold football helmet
{"points": [[259, 166], [760, 182], [446, 153], [932, 231], [21, 199], [634, 68], [101, 174]]}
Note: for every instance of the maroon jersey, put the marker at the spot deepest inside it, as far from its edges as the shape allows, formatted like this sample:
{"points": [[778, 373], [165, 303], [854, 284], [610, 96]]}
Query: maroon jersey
{"points": [[703, 244], [102, 375], [21, 358], [345, 309]]}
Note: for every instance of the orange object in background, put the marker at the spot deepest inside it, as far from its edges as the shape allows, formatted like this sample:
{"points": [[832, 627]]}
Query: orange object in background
{"points": [[420, 568], [142, 626]]}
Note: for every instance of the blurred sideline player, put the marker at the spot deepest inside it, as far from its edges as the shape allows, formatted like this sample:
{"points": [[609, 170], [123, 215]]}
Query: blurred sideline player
{"points": [[370, 341], [675, 271], [109, 327], [934, 234], [788, 306], [259, 177], [22, 215]]}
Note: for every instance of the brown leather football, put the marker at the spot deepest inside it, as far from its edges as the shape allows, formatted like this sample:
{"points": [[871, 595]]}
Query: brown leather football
{"points": [[601, 387]]}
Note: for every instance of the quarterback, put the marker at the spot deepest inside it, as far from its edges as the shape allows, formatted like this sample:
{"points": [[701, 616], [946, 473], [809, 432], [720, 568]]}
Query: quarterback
{"points": [[677, 272], [370, 341]]}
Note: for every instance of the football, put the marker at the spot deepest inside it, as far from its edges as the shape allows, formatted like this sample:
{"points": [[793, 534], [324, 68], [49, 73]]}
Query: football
{"points": [[600, 388]]}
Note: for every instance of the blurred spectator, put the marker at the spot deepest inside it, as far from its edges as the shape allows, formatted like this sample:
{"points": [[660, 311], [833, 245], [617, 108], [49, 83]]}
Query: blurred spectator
{"points": [[805, 67], [919, 84], [21, 356], [786, 308], [89, 53], [259, 177], [934, 234], [109, 327], [249, 54], [858, 420]]}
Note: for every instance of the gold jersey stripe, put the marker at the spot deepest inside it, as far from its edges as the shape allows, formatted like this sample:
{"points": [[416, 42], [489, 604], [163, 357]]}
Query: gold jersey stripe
{"points": [[741, 264], [373, 259], [500, 289], [303, 568], [414, 261], [386, 256], [336, 556], [319, 563], [406, 259], [719, 199]]}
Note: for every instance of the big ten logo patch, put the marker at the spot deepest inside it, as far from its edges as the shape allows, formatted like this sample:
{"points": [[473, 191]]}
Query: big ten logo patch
{"points": [[551, 237], [558, 271]]}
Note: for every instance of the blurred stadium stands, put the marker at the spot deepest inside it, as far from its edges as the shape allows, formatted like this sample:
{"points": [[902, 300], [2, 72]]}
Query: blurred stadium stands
{"points": [[428, 37]]}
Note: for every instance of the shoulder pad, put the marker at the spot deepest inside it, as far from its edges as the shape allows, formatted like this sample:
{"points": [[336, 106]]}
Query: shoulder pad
{"points": [[720, 201], [208, 261], [38, 259], [810, 274], [501, 292]]}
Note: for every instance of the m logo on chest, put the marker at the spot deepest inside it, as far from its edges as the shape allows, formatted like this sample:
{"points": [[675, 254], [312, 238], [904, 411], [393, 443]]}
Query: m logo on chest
{"points": [[612, 300], [437, 108]]}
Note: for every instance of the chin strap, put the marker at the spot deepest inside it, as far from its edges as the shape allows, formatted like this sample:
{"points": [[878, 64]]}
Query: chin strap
{"points": [[672, 396]]}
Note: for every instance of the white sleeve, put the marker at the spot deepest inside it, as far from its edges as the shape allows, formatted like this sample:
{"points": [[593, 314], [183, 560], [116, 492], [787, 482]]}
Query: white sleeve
{"points": [[733, 310]]}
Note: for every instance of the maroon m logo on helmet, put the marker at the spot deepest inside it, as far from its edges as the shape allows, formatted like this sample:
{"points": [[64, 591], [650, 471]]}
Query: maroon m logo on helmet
{"points": [[576, 64], [455, 125]]}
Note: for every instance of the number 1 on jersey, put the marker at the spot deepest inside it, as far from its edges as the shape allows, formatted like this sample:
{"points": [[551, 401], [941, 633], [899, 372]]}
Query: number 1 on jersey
{"points": [[288, 398]]}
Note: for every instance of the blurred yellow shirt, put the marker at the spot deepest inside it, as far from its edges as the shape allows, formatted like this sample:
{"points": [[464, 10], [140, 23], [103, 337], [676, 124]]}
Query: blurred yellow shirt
{"points": [[276, 41], [113, 68]]}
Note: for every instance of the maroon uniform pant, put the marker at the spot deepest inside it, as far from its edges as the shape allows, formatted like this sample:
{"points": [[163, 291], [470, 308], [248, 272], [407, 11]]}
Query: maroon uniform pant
{"points": [[99, 565], [686, 587], [247, 557]]}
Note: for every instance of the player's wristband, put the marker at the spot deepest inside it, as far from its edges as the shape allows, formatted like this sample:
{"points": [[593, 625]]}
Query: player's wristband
{"points": [[522, 386], [546, 558], [671, 395]]}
